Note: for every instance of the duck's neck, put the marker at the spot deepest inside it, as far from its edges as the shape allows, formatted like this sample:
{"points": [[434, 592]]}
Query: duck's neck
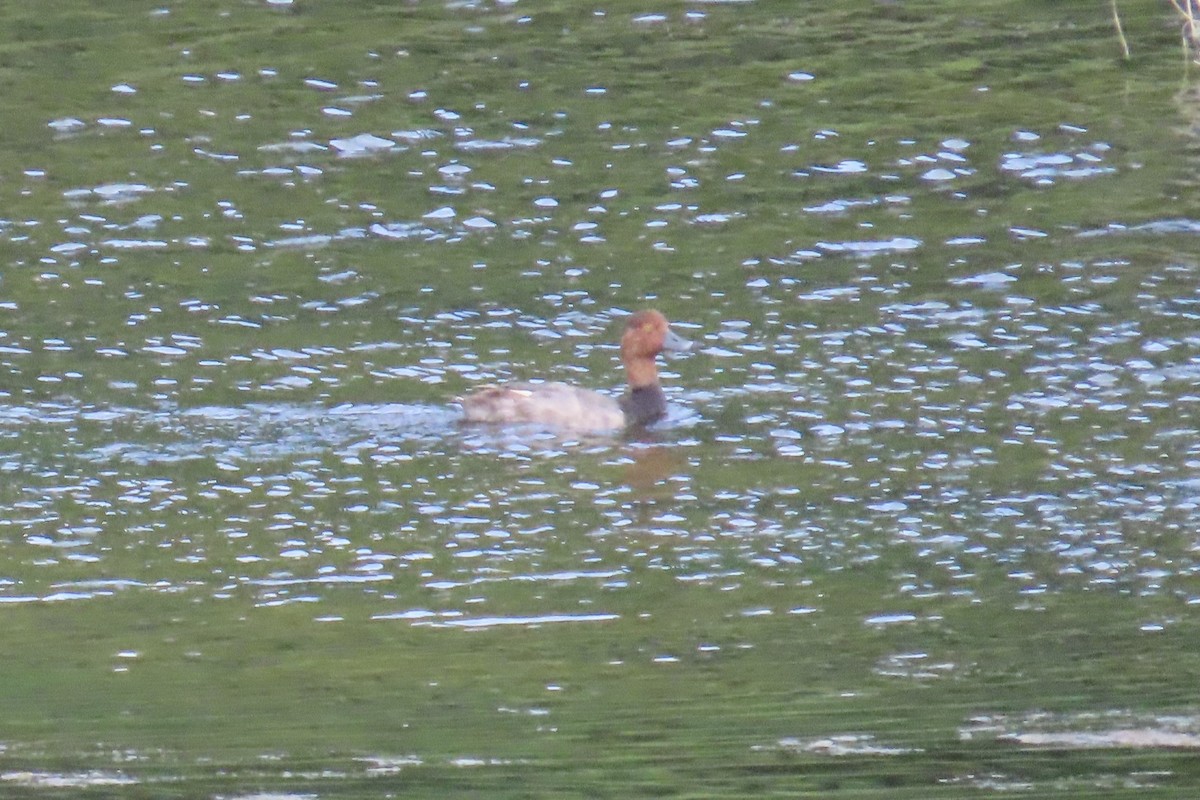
{"points": [[641, 372]]}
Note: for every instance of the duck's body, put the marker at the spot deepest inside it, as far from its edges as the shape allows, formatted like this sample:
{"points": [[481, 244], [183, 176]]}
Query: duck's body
{"points": [[562, 406], [556, 405]]}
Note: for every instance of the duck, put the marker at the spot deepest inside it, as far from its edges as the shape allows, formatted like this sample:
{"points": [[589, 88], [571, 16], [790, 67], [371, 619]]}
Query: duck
{"points": [[563, 406]]}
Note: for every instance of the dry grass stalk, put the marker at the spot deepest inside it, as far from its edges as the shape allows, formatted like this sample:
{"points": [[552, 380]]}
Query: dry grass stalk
{"points": [[1121, 31], [1189, 14]]}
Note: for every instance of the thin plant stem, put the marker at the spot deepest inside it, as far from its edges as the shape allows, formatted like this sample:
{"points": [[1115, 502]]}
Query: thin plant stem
{"points": [[1189, 13], [1120, 31]]}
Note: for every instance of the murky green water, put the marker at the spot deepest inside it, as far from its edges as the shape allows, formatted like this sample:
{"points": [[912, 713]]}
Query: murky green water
{"points": [[922, 521]]}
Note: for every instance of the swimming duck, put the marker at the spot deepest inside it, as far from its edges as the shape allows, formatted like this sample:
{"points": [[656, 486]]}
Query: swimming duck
{"points": [[560, 405]]}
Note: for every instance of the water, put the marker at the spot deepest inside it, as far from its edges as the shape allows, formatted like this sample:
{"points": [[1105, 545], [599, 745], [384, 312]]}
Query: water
{"points": [[921, 520]]}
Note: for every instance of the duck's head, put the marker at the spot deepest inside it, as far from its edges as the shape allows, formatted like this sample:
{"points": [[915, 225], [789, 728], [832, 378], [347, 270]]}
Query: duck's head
{"points": [[647, 333]]}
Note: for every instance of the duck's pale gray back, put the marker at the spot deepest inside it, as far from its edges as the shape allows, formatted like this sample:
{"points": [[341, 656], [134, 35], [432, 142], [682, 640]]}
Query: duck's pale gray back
{"points": [[555, 405]]}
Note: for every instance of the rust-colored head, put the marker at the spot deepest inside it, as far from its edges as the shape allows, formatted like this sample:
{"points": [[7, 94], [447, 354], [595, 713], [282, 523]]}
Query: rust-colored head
{"points": [[647, 334]]}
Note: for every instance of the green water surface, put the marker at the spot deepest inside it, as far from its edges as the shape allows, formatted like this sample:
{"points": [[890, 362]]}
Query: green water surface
{"points": [[922, 519]]}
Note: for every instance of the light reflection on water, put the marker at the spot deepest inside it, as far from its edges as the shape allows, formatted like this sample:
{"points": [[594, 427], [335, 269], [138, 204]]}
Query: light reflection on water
{"points": [[886, 430]]}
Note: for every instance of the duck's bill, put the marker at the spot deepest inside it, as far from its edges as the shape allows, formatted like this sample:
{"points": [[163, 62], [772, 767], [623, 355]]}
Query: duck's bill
{"points": [[673, 341]]}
